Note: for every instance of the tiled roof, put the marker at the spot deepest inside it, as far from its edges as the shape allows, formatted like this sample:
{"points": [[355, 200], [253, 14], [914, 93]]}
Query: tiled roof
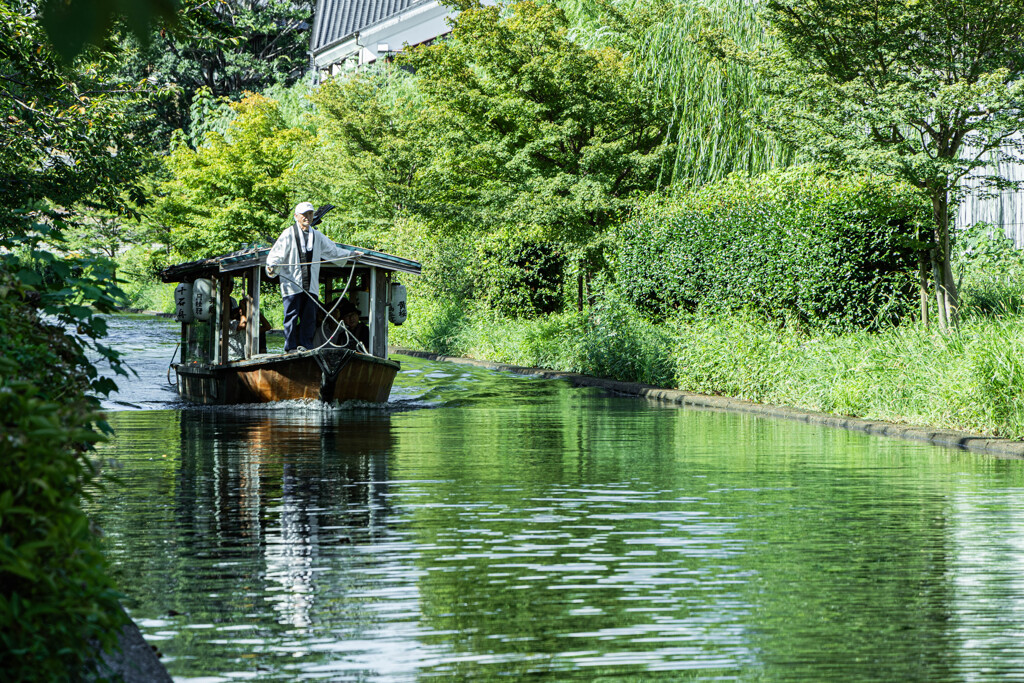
{"points": [[337, 19]]}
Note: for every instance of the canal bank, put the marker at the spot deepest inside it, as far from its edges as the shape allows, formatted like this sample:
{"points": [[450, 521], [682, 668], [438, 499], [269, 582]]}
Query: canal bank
{"points": [[1000, 447], [133, 661]]}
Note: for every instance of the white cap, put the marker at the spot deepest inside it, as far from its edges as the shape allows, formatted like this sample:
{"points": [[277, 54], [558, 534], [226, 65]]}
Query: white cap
{"points": [[303, 207]]}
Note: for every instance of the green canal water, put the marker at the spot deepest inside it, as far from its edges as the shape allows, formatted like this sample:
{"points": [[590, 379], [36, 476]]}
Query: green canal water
{"points": [[490, 527]]}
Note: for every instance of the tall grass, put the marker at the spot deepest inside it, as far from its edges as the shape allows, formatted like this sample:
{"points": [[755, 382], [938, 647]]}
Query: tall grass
{"points": [[970, 380], [609, 340]]}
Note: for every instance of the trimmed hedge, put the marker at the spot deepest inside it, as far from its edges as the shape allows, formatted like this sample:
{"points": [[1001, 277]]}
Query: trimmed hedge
{"points": [[829, 251]]}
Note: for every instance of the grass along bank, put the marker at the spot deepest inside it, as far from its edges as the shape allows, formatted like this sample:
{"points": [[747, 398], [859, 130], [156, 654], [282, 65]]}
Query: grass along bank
{"points": [[971, 380]]}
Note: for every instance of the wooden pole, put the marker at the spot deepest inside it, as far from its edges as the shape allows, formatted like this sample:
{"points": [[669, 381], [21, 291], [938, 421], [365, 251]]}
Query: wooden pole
{"points": [[247, 300], [224, 318], [378, 313], [253, 327]]}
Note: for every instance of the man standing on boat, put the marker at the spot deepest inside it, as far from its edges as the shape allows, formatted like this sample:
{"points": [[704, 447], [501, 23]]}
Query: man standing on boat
{"points": [[296, 256]]}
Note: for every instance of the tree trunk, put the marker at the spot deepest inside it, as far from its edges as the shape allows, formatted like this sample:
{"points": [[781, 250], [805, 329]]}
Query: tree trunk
{"points": [[924, 290], [940, 292], [579, 290], [950, 298]]}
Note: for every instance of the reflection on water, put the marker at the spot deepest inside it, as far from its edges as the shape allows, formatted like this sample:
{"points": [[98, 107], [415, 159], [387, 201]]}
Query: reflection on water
{"points": [[511, 527]]}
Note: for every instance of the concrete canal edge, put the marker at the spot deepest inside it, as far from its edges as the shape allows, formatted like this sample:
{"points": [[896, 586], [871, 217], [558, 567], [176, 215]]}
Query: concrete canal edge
{"points": [[1005, 448]]}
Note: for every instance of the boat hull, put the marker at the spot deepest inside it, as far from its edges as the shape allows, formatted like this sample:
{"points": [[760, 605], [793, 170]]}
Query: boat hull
{"points": [[327, 375]]}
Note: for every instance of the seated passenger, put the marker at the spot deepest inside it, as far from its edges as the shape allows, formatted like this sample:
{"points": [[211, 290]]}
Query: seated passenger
{"points": [[352, 333], [238, 325]]}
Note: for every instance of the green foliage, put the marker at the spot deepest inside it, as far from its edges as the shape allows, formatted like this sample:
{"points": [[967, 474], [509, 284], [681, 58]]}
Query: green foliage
{"points": [[971, 381], [66, 131], [991, 269], [234, 189], [436, 324], [890, 95], [546, 342], [209, 52], [55, 597], [836, 252], [100, 232], [67, 142], [207, 114], [449, 265], [372, 153], [995, 377], [619, 343], [968, 381], [682, 54], [520, 277], [74, 292], [926, 91], [985, 247], [506, 127], [536, 131], [71, 25], [137, 270]]}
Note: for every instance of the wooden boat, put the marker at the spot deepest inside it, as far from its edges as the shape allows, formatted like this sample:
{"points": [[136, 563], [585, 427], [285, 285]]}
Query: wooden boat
{"points": [[219, 366]]}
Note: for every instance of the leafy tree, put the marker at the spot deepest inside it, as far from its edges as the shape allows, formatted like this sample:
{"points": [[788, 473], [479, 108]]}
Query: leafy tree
{"points": [[235, 188], [73, 25], [57, 602], [539, 143], [543, 133], [376, 154], [924, 90], [103, 233], [222, 49], [66, 142], [66, 136], [708, 97]]}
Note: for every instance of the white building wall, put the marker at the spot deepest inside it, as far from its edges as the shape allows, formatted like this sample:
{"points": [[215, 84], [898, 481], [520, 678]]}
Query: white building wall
{"points": [[1006, 209]]}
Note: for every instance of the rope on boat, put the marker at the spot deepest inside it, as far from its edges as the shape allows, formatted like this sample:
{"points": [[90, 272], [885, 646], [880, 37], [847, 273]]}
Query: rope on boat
{"points": [[170, 365], [329, 314]]}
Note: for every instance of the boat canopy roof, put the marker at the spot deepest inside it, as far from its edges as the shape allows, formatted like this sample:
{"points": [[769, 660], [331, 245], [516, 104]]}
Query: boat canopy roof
{"points": [[257, 256]]}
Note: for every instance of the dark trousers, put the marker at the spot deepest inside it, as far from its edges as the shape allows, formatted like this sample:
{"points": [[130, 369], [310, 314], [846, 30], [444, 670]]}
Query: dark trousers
{"points": [[299, 320]]}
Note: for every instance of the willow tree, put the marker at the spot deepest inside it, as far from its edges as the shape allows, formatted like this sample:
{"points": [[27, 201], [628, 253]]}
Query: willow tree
{"points": [[675, 50], [927, 91]]}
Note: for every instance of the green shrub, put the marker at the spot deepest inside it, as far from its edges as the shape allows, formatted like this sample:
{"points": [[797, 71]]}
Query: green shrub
{"points": [[56, 600], [619, 343], [796, 244], [610, 340], [521, 277], [991, 271], [434, 324], [137, 270]]}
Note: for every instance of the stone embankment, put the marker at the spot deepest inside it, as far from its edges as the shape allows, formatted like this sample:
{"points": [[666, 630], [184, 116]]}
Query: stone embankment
{"points": [[1006, 448], [136, 661]]}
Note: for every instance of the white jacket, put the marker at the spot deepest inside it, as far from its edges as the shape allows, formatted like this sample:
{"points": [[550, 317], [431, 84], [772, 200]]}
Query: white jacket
{"points": [[284, 257]]}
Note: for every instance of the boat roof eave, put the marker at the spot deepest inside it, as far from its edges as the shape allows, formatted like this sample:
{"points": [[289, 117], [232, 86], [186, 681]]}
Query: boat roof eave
{"points": [[257, 257]]}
